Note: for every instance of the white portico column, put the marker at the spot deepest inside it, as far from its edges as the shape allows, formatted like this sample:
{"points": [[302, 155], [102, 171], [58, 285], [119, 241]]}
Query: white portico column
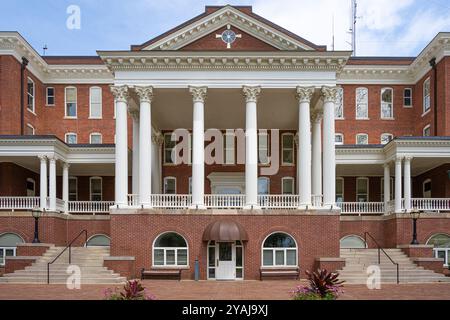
{"points": [[317, 154], [52, 183], [304, 96], [198, 147], [329, 152], [145, 145], [251, 95], [407, 184], [398, 185], [135, 169], [387, 184], [43, 182], [121, 182], [65, 186]]}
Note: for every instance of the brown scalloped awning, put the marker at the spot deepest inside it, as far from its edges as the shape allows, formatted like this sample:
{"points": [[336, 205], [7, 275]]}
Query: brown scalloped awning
{"points": [[225, 230]]}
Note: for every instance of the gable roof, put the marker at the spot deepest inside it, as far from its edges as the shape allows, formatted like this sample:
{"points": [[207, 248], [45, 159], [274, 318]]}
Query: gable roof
{"points": [[215, 17]]}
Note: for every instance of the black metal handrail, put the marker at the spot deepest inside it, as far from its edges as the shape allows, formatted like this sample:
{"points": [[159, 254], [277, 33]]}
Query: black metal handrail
{"points": [[380, 249], [69, 246]]}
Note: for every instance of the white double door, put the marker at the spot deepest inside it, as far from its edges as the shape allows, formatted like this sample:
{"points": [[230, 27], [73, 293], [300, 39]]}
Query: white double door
{"points": [[225, 261]]}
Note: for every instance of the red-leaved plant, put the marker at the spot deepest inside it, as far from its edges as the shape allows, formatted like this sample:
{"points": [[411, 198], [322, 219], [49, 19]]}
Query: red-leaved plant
{"points": [[132, 290], [323, 285]]}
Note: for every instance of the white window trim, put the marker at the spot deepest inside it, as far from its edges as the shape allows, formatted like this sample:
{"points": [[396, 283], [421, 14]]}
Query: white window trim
{"points": [[47, 96], [354, 236], [343, 187], [268, 184], [340, 135], [381, 104], [424, 112], [292, 179], [266, 134], [90, 187], [32, 129], [76, 189], [165, 163], [423, 187], [31, 180], [343, 109], [356, 104], [165, 265], [96, 235], [70, 134], [362, 134], [426, 128], [95, 134], [225, 148], [368, 186], [275, 266], [283, 149], [90, 103], [386, 134], [65, 103], [33, 111], [404, 98], [14, 249], [164, 184]]}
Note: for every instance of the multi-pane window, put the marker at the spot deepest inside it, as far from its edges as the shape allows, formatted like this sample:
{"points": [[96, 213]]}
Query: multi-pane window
{"points": [[339, 190], [441, 244], [169, 145], [386, 138], [71, 102], [31, 187], [95, 103], [387, 105], [288, 148], [407, 98], [95, 188], [427, 188], [427, 131], [263, 148], [170, 185], [73, 189], [170, 249], [362, 103], [71, 138], [29, 130], [279, 250], [228, 148], [30, 95], [426, 95], [95, 138], [8, 245], [50, 96], [288, 186], [339, 139], [339, 105], [263, 186], [362, 190], [362, 138]]}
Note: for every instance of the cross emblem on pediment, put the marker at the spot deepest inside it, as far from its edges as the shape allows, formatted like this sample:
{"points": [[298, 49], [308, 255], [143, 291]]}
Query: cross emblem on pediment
{"points": [[228, 36]]}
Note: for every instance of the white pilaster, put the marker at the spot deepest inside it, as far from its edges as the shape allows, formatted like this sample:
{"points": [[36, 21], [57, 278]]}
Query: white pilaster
{"points": [[135, 169], [65, 186], [121, 181], [329, 152], [158, 140], [43, 182], [387, 184], [251, 95], [52, 183], [198, 147], [317, 154], [398, 185], [145, 145], [407, 184]]}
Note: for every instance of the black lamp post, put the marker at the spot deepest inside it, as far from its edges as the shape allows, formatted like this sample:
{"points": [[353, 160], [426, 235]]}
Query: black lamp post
{"points": [[415, 215], [36, 215]]}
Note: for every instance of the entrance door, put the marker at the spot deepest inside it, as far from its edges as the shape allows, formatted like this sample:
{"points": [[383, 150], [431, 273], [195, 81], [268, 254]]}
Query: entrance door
{"points": [[225, 261]]}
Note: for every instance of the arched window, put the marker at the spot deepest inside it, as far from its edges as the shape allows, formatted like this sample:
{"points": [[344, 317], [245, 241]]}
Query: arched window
{"points": [[170, 249], [353, 242], [441, 243], [279, 250], [99, 240], [8, 245]]}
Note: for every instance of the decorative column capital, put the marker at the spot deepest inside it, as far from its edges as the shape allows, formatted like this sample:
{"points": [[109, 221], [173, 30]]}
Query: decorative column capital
{"points": [[158, 138], [317, 116], [251, 94], [329, 94], [304, 94], [398, 159], [408, 158], [42, 157], [145, 94], [120, 93], [198, 93], [66, 165], [52, 158], [386, 165]]}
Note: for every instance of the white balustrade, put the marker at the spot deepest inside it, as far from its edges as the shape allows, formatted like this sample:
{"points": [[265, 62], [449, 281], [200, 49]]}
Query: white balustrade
{"points": [[221, 201], [133, 200], [361, 207], [19, 203], [171, 201], [434, 204], [317, 201], [90, 206], [279, 201]]}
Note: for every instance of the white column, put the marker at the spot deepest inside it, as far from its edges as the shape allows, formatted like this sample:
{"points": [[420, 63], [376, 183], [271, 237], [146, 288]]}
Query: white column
{"points": [[121, 181], [329, 152], [317, 154], [135, 169], [297, 184], [65, 186], [387, 184], [251, 95], [52, 183], [198, 147], [398, 185], [145, 145], [407, 184], [304, 96], [43, 182]]}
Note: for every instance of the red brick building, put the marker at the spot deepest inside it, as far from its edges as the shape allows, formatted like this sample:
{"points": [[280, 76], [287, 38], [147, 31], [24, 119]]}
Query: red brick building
{"points": [[227, 140]]}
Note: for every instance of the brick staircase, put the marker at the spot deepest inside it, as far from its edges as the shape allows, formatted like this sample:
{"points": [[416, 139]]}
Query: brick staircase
{"points": [[90, 261], [357, 261]]}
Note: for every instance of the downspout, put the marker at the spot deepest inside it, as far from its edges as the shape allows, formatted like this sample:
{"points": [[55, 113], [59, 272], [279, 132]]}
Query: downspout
{"points": [[22, 93], [435, 94]]}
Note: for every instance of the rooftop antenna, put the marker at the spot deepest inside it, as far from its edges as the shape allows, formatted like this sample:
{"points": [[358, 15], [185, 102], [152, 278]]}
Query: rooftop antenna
{"points": [[45, 48], [332, 43], [353, 19]]}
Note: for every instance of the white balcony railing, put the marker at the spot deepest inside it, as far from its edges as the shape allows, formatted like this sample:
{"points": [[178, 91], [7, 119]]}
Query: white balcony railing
{"points": [[361, 207], [230, 201], [19, 203], [133, 200], [278, 201], [431, 204], [171, 201], [93, 207]]}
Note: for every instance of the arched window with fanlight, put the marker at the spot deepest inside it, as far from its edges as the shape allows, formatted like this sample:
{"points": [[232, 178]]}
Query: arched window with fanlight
{"points": [[8, 246], [98, 240], [279, 250], [441, 243], [170, 250], [352, 242]]}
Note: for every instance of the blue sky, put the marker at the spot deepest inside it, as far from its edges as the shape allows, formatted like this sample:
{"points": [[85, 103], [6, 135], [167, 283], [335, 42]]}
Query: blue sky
{"points": [[385, 27]]}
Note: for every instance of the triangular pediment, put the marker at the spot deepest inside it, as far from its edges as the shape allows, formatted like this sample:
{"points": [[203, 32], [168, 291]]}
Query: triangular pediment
{"points": [[255, 34]]}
